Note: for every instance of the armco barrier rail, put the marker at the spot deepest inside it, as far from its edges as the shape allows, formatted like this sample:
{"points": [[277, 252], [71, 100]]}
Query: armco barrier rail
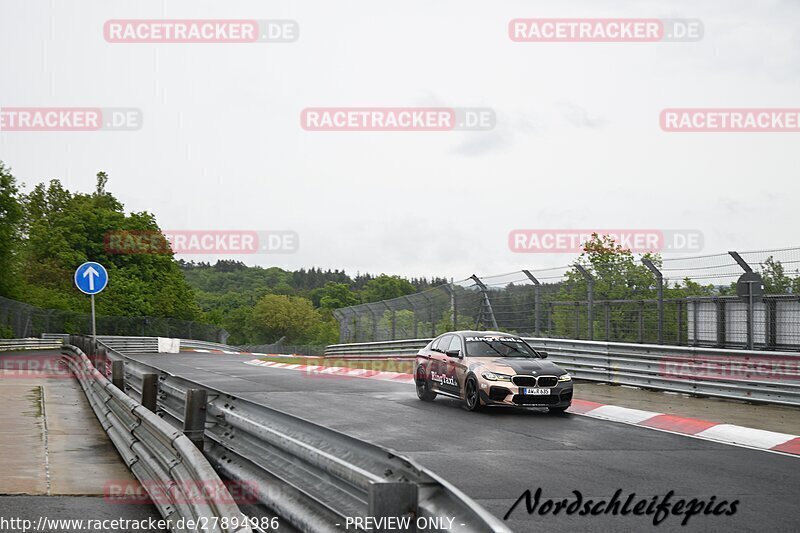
{"points": [[311, 476], [29, 344], [180, 481], [768, 377]]}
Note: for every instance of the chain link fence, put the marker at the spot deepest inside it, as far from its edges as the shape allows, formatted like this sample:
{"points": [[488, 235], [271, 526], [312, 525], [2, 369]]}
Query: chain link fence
{"points": [[681, 301], [20, 320]]}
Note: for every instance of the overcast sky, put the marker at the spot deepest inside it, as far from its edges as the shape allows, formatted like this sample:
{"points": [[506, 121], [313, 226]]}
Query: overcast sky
{"points": [[577, 142]]}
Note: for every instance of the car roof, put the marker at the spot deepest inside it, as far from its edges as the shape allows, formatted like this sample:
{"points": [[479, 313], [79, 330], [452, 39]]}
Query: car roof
{"points": [[471, 333]]}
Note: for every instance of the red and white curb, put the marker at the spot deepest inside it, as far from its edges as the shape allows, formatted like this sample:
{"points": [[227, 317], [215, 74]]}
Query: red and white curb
{"points": [[338, 371], [200, 350], [691, 427]]}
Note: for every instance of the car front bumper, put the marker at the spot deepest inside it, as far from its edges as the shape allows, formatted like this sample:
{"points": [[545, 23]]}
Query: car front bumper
{"points": [[508, 394]]}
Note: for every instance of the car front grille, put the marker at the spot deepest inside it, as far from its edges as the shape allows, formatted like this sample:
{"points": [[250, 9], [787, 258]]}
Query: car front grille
{"points": [[524, 381], [547, 381], [533, 381]]}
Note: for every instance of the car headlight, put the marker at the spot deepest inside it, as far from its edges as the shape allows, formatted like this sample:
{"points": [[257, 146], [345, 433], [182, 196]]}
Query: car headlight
{"points": [[565, 377], [491, 376]]}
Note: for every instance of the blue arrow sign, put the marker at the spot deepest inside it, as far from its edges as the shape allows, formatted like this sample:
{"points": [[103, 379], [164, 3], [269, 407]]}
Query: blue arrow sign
{"points": [[91, 278]]}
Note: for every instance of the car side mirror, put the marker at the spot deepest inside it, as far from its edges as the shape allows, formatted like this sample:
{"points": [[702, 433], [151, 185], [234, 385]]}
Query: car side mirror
{"points": [[453, 353], [543, 354]]}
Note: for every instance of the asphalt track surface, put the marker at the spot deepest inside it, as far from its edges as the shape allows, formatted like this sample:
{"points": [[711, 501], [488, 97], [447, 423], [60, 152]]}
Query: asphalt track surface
{"points": [[495, 455]]}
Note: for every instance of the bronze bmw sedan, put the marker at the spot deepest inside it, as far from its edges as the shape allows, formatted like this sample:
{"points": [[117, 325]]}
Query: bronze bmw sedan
{"points": [[487, 368]]}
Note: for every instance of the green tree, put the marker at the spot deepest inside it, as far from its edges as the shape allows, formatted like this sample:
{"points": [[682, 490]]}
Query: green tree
{"points": [[386, 287], [277, 316], [776, 281], [64, 229], [10, 218], [334, 295]]}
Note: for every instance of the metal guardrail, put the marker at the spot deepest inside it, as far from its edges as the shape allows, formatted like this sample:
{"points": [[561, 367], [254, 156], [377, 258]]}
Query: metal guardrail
{"points": [[759, 376], [29, 344], [180, 481], [311, 476], [408, 347], [150, 344]]}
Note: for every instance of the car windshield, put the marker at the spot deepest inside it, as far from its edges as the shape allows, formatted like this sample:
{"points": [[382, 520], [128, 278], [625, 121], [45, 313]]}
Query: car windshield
{"points": [[498, 347]]}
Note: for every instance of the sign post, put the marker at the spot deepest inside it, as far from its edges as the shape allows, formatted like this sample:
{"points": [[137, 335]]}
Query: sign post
{"points": [[91, 278]]}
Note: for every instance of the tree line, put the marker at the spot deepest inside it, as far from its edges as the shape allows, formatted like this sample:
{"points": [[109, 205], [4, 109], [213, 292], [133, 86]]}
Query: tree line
{"points": [[47, 232]]}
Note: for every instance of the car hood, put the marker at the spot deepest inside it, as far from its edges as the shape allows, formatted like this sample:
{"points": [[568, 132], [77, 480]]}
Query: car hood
{"points": [[520, 365]]}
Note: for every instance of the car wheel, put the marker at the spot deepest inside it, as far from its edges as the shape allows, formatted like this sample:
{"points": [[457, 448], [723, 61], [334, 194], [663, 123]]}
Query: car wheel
{"points": [[424, 391], [557, 410], [472, 398]]}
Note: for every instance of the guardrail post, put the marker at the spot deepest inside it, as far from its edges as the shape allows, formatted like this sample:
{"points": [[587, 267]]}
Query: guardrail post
{"points": [[150, 391], [392, 499], [536, 302], [194, 416], [590, 294], [100, 360], [660, 280], [118, 374]]}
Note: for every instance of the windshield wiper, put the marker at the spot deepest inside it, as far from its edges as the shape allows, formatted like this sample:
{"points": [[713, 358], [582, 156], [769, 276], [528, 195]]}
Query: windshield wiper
{"points": [[492, 347], [514, 348]]}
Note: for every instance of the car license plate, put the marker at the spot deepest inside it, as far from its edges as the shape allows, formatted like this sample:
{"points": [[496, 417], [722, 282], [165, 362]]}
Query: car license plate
{"points": [[536, 392]]}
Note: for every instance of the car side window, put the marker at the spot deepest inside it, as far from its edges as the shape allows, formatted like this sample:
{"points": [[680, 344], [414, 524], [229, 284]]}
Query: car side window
{"points": [[455, 344], [443, 343]]}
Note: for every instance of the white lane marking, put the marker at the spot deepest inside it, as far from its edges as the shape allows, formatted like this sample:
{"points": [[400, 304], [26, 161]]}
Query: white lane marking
{"points": [[757, 438], [622, 414]]}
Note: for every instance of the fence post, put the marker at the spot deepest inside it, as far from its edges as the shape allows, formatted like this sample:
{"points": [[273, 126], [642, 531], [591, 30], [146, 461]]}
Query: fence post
{"points": [[536, 302], [660, 279], [375, 321], [721, 322], [194, 416], [771, 334], [607, 307], [750, 312], [641, 321], [590, 289], [430, 313], [486, 302], [680, 320]]}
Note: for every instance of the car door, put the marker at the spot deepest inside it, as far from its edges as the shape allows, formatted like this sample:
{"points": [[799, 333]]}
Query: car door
{"points": [[439, 363], [456, 368]]}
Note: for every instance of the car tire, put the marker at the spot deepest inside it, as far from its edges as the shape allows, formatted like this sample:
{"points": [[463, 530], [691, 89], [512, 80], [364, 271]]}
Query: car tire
{"points": [[557, 410], [472, 395], [424, 391]]}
